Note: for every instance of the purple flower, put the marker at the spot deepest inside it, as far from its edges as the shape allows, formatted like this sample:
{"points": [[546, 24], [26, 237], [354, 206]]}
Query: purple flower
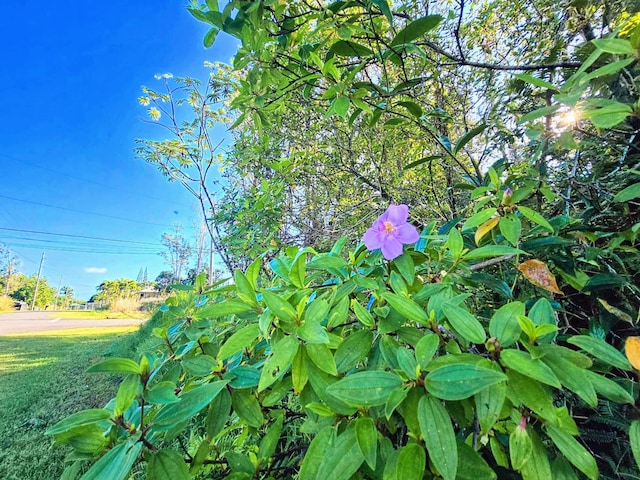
{"points": [[390, 231]]}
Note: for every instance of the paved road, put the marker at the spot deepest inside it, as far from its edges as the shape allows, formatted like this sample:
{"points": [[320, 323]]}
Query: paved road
{"points": [[30, 322]]}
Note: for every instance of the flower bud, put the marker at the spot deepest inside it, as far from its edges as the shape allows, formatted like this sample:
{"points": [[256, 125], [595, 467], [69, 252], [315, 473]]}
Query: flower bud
{"points": [[506, 197]]}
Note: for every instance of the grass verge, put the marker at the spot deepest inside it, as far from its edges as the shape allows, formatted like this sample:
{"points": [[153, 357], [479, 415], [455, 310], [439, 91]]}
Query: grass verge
{"points": [[101, 314], [42, 380]]}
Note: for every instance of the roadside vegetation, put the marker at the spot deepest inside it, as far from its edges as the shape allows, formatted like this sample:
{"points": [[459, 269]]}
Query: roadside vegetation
{"points": [[38, 375], [431, 215]]}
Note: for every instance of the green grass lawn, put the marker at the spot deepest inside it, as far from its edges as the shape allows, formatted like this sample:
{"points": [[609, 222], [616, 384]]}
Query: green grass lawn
{"points": [[42, 380]]}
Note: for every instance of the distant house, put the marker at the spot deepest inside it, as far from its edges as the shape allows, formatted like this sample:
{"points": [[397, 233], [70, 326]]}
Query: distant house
{"points": [[148, 292]]}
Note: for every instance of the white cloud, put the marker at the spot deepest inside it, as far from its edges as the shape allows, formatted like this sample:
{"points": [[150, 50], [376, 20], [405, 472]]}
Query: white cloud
{"points": [[95, 270]]}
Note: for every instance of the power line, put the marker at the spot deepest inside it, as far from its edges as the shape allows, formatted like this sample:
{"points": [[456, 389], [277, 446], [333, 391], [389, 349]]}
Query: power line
{"points": [[85, 212], [84, 251], [85, 180], [71, 244], [80, 236]]}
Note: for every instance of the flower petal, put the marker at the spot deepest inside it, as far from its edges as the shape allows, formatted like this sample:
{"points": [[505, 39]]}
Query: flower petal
{"points": [[391, 247], [397, 214], [373, 238], [407, 233]]}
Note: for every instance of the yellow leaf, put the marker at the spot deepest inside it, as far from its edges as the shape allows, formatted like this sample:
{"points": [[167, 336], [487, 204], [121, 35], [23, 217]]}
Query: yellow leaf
{"points": [[632, 351], [539, 275], [616, 311], [485, 228]]}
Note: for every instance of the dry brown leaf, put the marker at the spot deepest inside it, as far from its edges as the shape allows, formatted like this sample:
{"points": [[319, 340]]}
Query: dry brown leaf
{"points": [[539, 275]]}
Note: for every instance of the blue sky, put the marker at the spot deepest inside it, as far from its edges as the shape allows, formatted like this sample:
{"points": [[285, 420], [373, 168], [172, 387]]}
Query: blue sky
{"points": [[72, 72]]}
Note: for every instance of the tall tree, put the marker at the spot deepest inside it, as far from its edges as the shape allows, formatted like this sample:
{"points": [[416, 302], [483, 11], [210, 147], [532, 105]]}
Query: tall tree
{"points": [[178, 252]]}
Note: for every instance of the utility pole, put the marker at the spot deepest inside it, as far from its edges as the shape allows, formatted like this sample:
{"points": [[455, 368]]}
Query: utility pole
{"points": [[55, 307], [35, 292], [6, 289]]}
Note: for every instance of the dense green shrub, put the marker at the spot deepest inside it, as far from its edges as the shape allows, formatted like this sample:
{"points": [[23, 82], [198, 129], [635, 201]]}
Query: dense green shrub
{"points": [[489, 349], [330, 365]]}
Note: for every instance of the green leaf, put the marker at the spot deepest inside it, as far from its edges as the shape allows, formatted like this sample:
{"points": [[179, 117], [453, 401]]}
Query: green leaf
{"points": [[322, 357], [540, 112], [426, 348], [615, 45], [200, 365], [405, 265], [407, 362], [416, 29], [320, 381], [574, 451], [609, 389], [609, 115], [298, 271], [504, 323], [471, 466], [353, 350], [413, 108], [190, 403], [362, 314], [210, 37], [523, 391], [247, 407], [464, 323], [491, 251], [520, 447], [522, 363], [383, 5], [222, 309], [167, 465], [326, 261], [115, 365], [489, 404], [347, 48], [634, 440], [342, 459], [240, 340], [535, 217], [510, 227], [84, 417], [412, 461], [601, 350], [537, 467], [115, 464], [278, 363], [459, 381], [406, 307], [340, 106], [629, 193], [369, 388], [315, 454], [572, 377], [218, 414], [279, 307], [245, 289], [161, 393], [608, 69], [467, 137], [127, 393], [538, 82], [269, 442], [367, 437], [439, 436], [479, 218]]}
